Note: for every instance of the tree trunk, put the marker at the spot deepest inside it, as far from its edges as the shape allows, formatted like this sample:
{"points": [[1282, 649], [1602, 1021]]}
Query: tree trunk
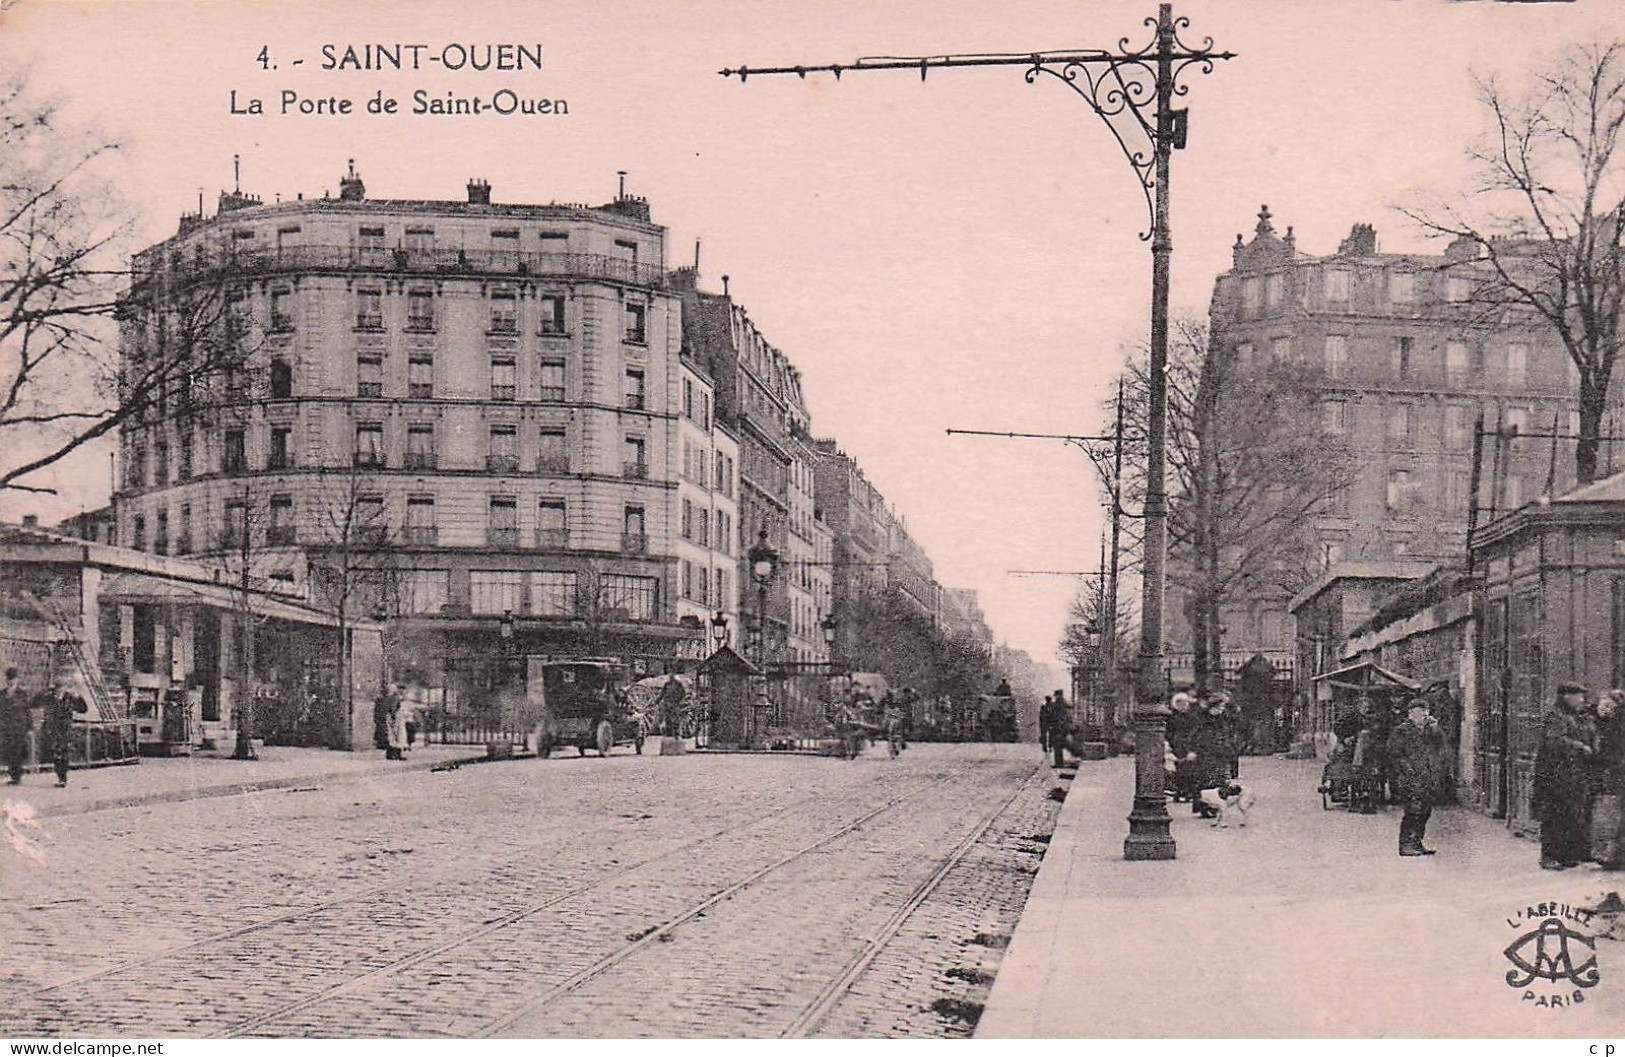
{"points": [[1593, 402]]}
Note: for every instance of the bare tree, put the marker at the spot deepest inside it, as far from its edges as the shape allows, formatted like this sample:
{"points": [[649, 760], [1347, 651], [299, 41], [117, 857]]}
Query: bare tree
{"points": [[1249, 470], [63, 283], [1539, 237]]}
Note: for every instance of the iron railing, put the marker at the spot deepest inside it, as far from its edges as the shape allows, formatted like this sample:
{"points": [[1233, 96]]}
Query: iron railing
{"points": [[295, 259]]}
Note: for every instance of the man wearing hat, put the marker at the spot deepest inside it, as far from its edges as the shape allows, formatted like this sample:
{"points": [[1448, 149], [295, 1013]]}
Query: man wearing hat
{"points": [[1416, 766], [1567, 744]]}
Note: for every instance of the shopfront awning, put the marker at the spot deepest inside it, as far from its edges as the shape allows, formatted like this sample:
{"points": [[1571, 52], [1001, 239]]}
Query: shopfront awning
{"points": [[146, 589], [1367, 675]]}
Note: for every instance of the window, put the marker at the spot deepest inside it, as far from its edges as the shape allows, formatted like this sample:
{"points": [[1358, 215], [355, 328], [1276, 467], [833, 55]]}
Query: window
{"points": [[552, 450], [183, 472], [1402, 357], [503, 453], [420, 310], [552, 380], [502, 528], [721, 582], [688, 520], [1337, 354], [424, 590], [369, 444], [1399, 486], [494, 594], [369, 244], [1457, 288], [550, 309], [688, 398], [633, 460], [281, 454], [183, 541], [1517, 364], [722, 474], [1337, 284], [232, 457], [505, 249], [1455, 361], [705, 411], [1455, 494], [1244, 354], [369, 310], [421, 527], [138, 535], [504, 312], [1456, 426], [160, 462], [1274, 288], [420, 446], [554, 241], [503, 385], [280, 533], [1399, 423], [637, 324], [1401, 287], [633, 537], [634, 389], [236, 525], [1249, 295], [626, 251], [1281, 350], [420, 376], [282, 310], [636, 597], [368, 522], [419, 240], [369, 374], [281, 380], [724, 535], [1334, 416], [552, 524], [702, 525], [552, 594]]}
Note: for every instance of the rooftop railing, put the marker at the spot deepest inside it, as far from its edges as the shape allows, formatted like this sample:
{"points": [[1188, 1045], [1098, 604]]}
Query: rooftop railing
{"points": [[295, 259]]}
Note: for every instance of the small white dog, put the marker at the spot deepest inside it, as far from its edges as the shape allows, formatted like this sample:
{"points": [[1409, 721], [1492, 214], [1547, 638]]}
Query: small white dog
{"points": [[1231, 800]]}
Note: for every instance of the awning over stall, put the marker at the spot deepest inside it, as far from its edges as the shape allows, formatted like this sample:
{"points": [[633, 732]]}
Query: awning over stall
{"points": [[1367, 675], [142, 588]]}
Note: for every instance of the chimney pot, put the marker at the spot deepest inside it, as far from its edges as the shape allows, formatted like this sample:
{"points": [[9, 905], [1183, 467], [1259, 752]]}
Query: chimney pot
{"points": [[479, 193]]}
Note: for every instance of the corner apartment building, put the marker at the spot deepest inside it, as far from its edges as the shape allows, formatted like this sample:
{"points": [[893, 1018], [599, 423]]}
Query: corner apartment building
{"points": [[483, 400], [1409, 360]]}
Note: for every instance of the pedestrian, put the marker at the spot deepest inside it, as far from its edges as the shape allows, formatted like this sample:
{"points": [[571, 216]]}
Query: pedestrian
{"points": [[1232, 733], [412, 712], [1562, 771], [1608, 782], [1212, 746], [16, 721], [394, 729], [1182, 743], [1415, 751], [381, 708], [57, 731], [1060, 728], [1046, 714], [1357, 733]]}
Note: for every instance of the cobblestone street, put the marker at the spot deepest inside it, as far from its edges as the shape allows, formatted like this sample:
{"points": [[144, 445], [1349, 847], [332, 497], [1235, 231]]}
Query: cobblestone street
{"points": [[695, 896]]}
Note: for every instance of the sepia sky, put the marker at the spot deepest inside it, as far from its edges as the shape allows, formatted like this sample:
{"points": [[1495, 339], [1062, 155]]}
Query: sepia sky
{"points": [[958, 253]]}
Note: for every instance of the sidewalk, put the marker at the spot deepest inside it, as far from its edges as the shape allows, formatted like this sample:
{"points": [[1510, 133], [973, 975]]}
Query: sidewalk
{"points": [[161, 780], [1305, 924]]}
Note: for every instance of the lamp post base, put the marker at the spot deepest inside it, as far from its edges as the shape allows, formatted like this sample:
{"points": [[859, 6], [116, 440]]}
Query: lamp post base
{"points": [[1148, 834]]}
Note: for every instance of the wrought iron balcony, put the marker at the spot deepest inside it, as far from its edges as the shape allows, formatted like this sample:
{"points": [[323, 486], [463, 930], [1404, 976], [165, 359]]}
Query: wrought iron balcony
{"points": [[501, 536], [502, 463], [634, 543], [553, 538], [294, 259], [421, 535], [553, 463], [635, 470], [421, 460]]}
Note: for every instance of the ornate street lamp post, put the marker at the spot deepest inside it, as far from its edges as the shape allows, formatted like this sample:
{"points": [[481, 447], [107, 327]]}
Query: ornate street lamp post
{"points": [[764, 565], [719, 631], [1132, 91]]}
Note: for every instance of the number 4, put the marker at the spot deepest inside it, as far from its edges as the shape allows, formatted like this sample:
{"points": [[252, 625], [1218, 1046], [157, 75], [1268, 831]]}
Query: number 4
{"points": [[264, 57]]}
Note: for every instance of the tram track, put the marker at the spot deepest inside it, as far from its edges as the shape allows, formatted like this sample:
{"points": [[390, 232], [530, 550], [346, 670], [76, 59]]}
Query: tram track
{"points": [[850, 972]]}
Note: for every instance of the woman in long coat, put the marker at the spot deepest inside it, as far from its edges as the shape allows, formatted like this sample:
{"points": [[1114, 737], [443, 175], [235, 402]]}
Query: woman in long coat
{"points": [[1563, 780]]}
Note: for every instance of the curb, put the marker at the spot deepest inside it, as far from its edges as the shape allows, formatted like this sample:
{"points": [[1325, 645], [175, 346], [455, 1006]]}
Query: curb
{"points": [[244, 788]]}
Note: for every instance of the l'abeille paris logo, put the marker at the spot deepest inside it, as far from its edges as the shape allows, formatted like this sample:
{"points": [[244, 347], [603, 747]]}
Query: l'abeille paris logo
{"points": [[1554, 958]]}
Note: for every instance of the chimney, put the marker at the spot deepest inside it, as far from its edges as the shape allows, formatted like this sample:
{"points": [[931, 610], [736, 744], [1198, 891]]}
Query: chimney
{"points": [[30, 521], [479, 193], [351, 189], [1362, 242]]}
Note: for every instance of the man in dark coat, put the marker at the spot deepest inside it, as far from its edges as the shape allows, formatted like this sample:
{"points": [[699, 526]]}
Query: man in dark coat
{"points": [[16, 720], [1562, 769], [1060, 728], [1046, 714], [1416, 765], [57, 731]]}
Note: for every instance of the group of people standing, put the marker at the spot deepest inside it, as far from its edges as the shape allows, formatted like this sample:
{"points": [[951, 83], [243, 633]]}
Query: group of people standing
{"points": [[1204, 740], [395, 721], [1580, 780], [1055, 726], [1394, 754], [59, 705]]}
